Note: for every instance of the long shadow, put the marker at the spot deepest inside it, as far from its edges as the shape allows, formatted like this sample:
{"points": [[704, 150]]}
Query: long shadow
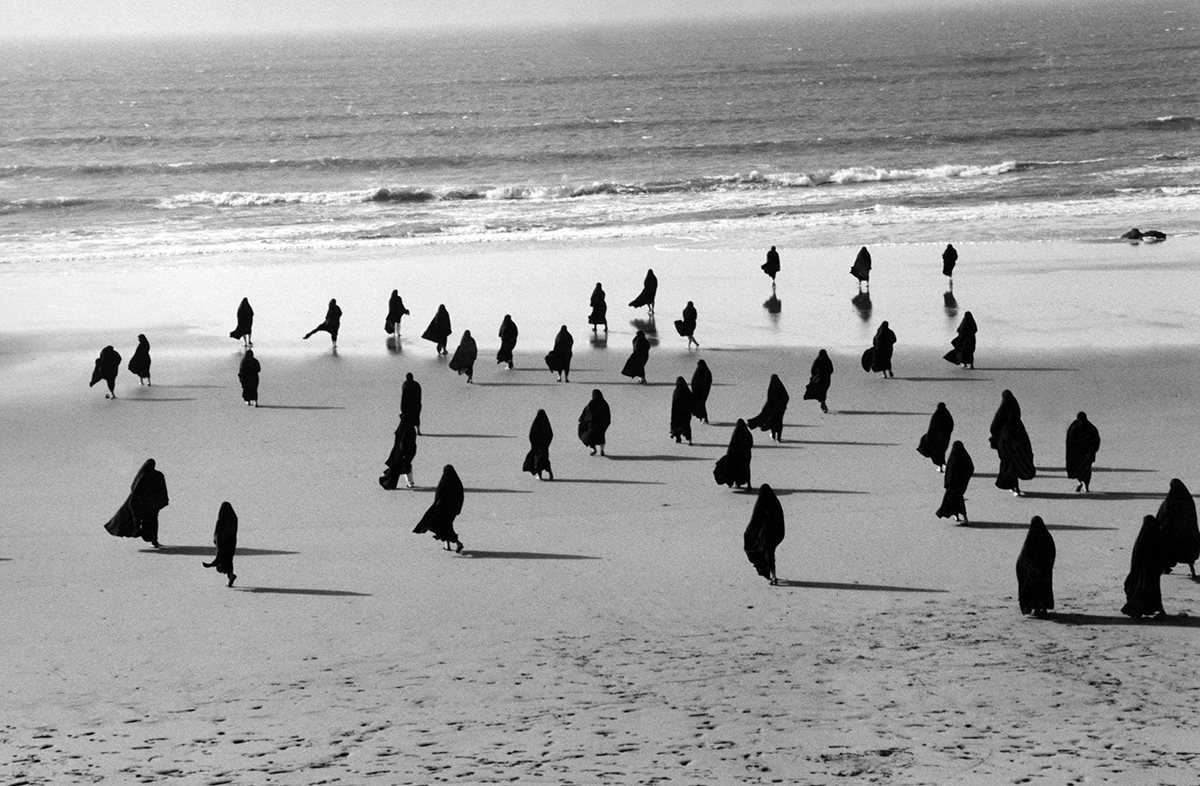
{"points": [[515, 384], [845, 442], [148, 399], [786, 492], [1094, 496], [1010, 525], [1178, 621], [477, 490], [293, 406], [864, 587], [208, 551], [1028, 368], [875, 412], [314, 592], [193, 387], [945, 379], [469, 436], [611, 457], [5, 559], [1099, 469], [475, 554], [613, 482]]}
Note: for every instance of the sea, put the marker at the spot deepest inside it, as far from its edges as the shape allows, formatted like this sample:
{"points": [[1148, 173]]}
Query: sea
{"points": [[1055, 121]]}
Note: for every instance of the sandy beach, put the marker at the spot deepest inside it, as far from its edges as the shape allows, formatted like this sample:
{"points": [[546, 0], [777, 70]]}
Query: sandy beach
{"points": [[605, 627]]}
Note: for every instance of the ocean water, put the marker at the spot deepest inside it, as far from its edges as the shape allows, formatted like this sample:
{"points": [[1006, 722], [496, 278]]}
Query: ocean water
{"points": [[1062, 123]]}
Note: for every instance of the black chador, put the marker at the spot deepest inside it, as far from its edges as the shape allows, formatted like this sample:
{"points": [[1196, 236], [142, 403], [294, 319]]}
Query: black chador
{"points": [[820, 377], [463, 360], [882, 346], [439, 329], [963, 352], [245, 322], [225, 539], [332, 323], [447, 504], [681, 411], [1008, 405], [508, 341], [537, 460], [1177, 524], [140, 362], [138, 514], [949, 260], [400, 460], [559, 358], [687, 325], [649, 291], [701, 386], [1083, 442], [1143, 594], [396, 312], [764, 533], [936, 438], [635, 367], [733, 469], [248, 371], [959, 471], [771, 417], [410, 400], [1035, 570], [861, 269], [771, 266], [1016, 455], [599, 315], [594, 422], [108, 363]]}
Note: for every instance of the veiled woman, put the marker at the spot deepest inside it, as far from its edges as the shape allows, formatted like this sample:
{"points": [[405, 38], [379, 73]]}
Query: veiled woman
{"points": [[1177, 524], [820, 377], [771, 417], [936, 439], [949, 260], [447, 504], [1143, 594], [771, 266], [681, 411], [508, 341], [1083, 442], [410, 400], [882, 346], [332, 323], [701, 386], [245, 322], [733, 469], [396, 312], [861, 269], [108, 364], [963, 352], [687, 326], [959, 471], [138, 514], [463, 360], [594, 422], [439, 329], [225, 539], [140, 362], [1035, 570], [599, 315], [764, 533], [248, 371], [559, 358], [1016, 456], [399, 461], [635, 367], [1008, 405], [537, 460], [648, 293]]}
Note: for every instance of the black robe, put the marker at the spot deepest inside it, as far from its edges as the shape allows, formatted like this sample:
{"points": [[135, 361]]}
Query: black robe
{"points": [[559, 358], [138, 514], [508, 340], [404, 449], [687, 325], [537, 460], [635, 367], [764, 533], [949, 260], [1008, 405], [439, 328], [599, 315], [225, 539], [108, 364], [862, 265], [820, 377], [1035, 569], [594, 421], [649, 290], [1143, 595], [1016, 454], [332, 323], [245, 320], [140, 362], [771, 266], [1083, 442], [701, 387], [936, 438], [447, 504], [882, 345], [771, 417], [733, 469], [963, 352], [681, 411], [248, 375], [1177, 523], [959, 471], [410, 401], [463, 360], [396, 312]]}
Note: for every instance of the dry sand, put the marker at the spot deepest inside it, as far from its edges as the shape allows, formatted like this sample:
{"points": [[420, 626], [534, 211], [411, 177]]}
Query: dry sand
{"points": [[605, 627]]}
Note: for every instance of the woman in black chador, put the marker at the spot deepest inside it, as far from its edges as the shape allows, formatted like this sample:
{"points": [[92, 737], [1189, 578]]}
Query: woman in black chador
{"points": [[949, 260], [681, 411], [820, 375], [537, 460], [771, 417], [245, 323], [508, 341], [764, 533], [1177, 524], [963, 353], [599, 315], [594, 422], [1143, 595], [882, 346], [862, 267], [687, 325], [1016, 455], [396, 312], [225, 539], [410, 401], [1083, 442], [649, 290], [1008, 405], [140, 362], [108, 363], [771, 266], [559, 358], [439, 329], [701, 387], [447, 504], [332, 323], [936, 438], [733, 469], [635, 367], [463, 360], [959, 471], [399, 461], [138, 514], [1035, 570], [248, 375]]}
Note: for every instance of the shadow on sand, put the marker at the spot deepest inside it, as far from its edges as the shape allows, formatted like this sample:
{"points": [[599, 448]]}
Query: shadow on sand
{"points": [[613, 482], [1094, 496], [475, 490], [1029, 368], [944, 379], [516, 384], [475, 554], [1013, 525], [295, 591], [469, 436], [876, 412], [1063, 470], [192, 387], [611, 457], [844, 442], [1177, 620], [208, 551], [153, 398], [833, 585], [786, 492], [293, 406]]}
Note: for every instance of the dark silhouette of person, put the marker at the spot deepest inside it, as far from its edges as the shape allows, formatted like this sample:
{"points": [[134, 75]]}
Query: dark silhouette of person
{"points": [[733, 469], [1143, 594], [248, 372], [1083, 443], [959, 471], [332, 323], [396, 312], [537, 460], [108, 363], [439, 329], [949, 260], [882, 346], [681, 411], [1008, 405], [1177, 528], [649, 290], [559, 358], [820, 377], [225, 539], [508, 340], [635, 367], [410, 400], [399, 461], [138, 514], [963, 352], [447, 504], [1016, 455], [764, 533], [687, 325], [771, 417], [140, 362], [936, 439], [463, 360], [245, 323], [861, 269], [599, 315], [1035, 570], [702, 381], [594, 422], [771, 266]]}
